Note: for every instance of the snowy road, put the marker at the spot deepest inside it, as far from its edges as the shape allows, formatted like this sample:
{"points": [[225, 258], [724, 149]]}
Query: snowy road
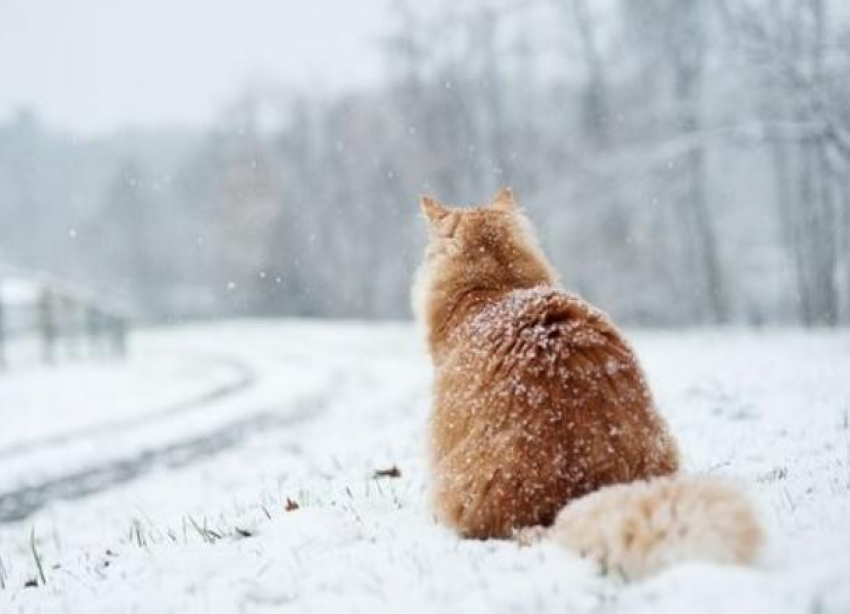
{"points": [[216, 412], [21, 502], [229, 468]]}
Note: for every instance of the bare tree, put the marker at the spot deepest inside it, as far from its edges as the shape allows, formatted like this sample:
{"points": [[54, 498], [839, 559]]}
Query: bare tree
{"points": [[787, 50]]}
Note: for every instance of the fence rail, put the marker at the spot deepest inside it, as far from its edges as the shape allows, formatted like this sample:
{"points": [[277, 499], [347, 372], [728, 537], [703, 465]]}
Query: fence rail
{"points": [[59, 321]]}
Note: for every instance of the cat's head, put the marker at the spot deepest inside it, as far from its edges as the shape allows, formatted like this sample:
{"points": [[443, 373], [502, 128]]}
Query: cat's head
{"points": [[486, 247], [472, 231]]}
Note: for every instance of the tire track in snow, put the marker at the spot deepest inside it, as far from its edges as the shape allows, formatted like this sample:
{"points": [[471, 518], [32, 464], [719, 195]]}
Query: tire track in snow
{"points": [[20, 503], [245, 379], [23, 502]]}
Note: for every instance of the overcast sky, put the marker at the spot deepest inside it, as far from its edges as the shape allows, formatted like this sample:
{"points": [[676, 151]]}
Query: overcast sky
{"points": [[97, 65]]}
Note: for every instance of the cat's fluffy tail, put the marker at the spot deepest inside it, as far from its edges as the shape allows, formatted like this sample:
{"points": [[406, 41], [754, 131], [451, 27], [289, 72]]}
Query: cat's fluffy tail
{"points": [[645, 526]]}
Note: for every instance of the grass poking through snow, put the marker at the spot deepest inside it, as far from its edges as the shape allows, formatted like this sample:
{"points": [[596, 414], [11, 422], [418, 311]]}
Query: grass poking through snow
{"points": [[37, 557]]}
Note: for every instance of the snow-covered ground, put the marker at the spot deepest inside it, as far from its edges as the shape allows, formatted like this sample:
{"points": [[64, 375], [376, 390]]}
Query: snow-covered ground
{"points": [[170, 483]]}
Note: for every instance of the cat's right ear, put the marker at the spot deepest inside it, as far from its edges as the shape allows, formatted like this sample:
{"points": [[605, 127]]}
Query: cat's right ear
{"points": [[432, 209], [504, 200]]}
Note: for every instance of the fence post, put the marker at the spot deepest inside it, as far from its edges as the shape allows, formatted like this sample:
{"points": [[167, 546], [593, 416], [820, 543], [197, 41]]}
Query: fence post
{"points": [[92, 318], [121, 322], [47, 326], [2, 330], [116, 327], [71, 326]]}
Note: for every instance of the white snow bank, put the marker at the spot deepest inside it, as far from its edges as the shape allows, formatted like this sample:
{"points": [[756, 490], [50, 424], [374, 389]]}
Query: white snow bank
{"points": [[769, 409]]}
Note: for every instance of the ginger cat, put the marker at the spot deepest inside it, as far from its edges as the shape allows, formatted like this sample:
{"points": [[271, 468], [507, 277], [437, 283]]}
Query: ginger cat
{"points": [[539, 401]]}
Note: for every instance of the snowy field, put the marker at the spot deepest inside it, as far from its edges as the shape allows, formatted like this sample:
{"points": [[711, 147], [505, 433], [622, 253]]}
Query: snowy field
{"points": [[231, 468]]}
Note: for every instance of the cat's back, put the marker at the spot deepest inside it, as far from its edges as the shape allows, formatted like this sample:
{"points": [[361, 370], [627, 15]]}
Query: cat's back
{"points": [[540, 400], [542, 356], [541, 331], [557, 372]]}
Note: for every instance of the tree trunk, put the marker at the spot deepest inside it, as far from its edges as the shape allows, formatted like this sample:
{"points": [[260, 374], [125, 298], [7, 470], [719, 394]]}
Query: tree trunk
{"points": [[688, 81], [595, 103]]}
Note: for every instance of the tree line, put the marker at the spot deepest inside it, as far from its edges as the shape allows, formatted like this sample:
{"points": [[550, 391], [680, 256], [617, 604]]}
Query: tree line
{"points": [[686, 162]]}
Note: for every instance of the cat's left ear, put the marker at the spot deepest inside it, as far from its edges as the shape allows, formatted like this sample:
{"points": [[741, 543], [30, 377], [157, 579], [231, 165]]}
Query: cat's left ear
{"points": [[504, 200], [433, 209]]}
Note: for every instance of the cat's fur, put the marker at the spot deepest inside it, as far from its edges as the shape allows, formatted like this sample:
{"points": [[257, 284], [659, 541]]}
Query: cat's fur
{"points": [[539, 401]]}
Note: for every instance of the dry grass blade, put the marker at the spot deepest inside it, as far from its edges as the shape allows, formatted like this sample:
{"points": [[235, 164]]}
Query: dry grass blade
{"points": [[37, 557], [392, 472], [2, 574]]}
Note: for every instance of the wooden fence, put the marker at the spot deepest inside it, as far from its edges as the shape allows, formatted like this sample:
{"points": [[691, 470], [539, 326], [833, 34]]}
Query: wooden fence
{"points": [[56, 322]]}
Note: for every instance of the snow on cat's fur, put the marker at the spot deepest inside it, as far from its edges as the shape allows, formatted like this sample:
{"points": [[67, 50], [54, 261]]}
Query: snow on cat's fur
{"points": [[541, 411]]}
